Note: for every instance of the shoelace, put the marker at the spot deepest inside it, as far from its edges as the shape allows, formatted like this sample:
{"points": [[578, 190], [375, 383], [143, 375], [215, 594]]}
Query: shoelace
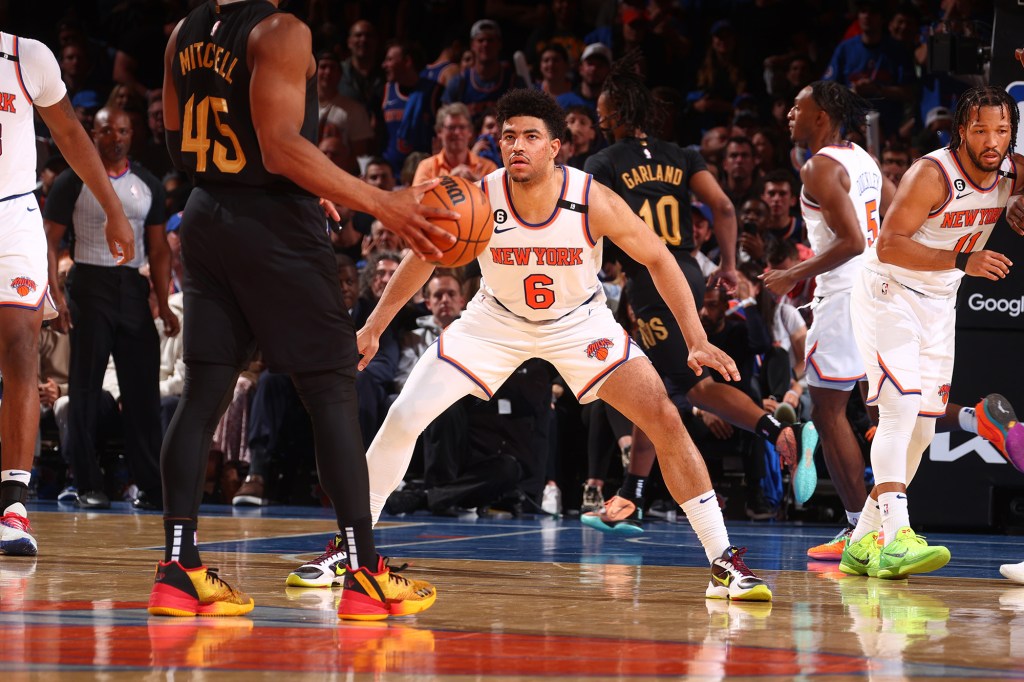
{"points": [[737, 562], [12, 520], [211, 575], [844, 533], [333, 548]]}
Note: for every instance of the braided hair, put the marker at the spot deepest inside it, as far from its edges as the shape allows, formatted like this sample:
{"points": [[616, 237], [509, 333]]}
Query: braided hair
{"points": [[629, 96], [844, 107], [975, 98]]}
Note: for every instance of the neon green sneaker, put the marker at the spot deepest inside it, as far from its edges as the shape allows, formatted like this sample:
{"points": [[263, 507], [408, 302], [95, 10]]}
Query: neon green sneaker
{"points": [[907, 554], [861, 557]]}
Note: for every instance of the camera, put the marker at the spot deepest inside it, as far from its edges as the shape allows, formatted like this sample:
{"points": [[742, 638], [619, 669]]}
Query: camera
{"points": [[957, 54], [749, 228]]}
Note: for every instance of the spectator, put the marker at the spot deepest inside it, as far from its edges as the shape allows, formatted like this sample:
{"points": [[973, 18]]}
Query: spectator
{"points": [[594, 67], [151, 152], [779, 193], [703, 221], [938, 125], [895, 161], [738, 170], [110, 312], [562, 27], [480, 85], [455, 130], [409, 105], [362, 77], [720, 77], [443, 297], [340, 116], [582, 123], [486, 144], [554, 70], [442, 69]]}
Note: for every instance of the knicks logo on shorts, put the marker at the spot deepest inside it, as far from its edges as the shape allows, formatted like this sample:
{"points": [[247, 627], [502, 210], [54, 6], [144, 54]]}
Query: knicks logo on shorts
{"points": [[599, 349], [23, 285], [944, 392]]}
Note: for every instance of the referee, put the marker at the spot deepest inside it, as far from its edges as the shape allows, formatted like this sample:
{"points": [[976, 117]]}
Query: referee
{"points": [[111, 314]]}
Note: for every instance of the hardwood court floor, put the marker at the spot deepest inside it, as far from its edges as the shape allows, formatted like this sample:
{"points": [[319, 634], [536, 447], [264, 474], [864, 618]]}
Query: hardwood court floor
{"points": [[521, 599]]}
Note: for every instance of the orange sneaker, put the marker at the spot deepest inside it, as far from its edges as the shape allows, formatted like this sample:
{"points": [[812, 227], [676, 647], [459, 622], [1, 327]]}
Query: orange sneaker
{"points": [[375, 595], [180, 591], [833, 549], [998, 424]]}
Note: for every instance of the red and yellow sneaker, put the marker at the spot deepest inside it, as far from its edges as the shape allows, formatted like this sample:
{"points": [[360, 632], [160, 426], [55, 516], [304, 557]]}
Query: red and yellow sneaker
{"points": [[180, 591], [833, 549], [375, 595]]}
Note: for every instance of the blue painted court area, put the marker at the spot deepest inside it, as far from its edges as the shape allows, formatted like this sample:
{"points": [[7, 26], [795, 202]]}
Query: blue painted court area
{"points": [[772, 546]]}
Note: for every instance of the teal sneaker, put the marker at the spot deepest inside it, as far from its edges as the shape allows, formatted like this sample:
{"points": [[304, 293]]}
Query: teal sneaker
{"points": [[861, 557], [908, 554], [805, 480]]}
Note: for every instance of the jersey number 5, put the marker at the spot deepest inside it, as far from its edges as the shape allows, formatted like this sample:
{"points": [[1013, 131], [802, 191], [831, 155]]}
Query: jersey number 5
{"points": [[194, 139], [871, 208]]}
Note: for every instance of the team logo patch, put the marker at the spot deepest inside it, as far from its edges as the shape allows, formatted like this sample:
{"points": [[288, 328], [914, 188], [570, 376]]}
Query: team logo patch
{"points": [[944, 393], [23, 285], [599, 349]]}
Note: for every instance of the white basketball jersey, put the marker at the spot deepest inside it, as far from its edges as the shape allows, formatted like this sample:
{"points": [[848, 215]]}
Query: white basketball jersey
{"points": [[28, 74], [541, 271], [866, 196], [963, 223]]}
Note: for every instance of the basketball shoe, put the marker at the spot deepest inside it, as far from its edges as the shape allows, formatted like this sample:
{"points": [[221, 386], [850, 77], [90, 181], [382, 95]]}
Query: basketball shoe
{"points": [[593, 500], [907, 554], [620, 516], [997, 423], [324, 571], [833, 549], [861, 557], [731, 579], [375, 595], [180, 591], [805, 480], [16, 533], [1014, 572], [787, 447]]}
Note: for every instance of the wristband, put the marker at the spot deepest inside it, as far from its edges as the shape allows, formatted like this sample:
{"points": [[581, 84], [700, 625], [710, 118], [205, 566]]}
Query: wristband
{"points": [[961, 260]]}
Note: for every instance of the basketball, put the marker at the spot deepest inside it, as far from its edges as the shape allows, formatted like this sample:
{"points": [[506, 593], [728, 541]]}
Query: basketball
{"points": [[474, 226]]}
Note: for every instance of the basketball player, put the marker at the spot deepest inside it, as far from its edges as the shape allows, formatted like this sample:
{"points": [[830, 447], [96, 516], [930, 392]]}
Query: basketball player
{"points": [[540, 297], [844, 193], [655, 179], [241, 113], [30, 78], [903, 307]]}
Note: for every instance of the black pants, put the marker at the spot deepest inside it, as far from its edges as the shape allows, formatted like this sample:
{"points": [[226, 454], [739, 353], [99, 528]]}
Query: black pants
{"points": [[111, 316]]}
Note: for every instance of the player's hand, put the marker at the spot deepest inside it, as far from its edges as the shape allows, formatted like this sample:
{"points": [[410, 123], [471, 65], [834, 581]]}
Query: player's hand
{"points": [[779, 282], [726, 278], [1015, 214], [330, 210], [988, 264], [62, 323], [367, 341], [403, 214], [120, 238], [704, 354], [718, 427], [171, 324]]}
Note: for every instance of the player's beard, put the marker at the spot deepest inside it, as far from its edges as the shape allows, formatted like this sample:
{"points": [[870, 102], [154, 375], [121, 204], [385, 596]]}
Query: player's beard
{"points": [[976, 160]]}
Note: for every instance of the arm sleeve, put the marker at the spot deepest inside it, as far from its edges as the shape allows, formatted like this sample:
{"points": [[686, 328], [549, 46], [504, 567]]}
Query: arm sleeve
{"points": [[40, 73]]}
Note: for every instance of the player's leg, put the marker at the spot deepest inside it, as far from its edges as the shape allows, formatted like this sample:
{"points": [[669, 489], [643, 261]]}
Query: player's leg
{"points": [[19, 423], [636, 390]]}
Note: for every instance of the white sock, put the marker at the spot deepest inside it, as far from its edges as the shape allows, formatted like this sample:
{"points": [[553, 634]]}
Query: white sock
{"points": [[15, 475], [895, 515], [968, 420], [377, 502], [705, 518], [852, 518], [870, 520]]}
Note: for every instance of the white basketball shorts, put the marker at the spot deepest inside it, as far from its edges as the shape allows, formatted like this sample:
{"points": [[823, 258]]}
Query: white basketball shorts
{"points": [[23, 270], [833, 360]]}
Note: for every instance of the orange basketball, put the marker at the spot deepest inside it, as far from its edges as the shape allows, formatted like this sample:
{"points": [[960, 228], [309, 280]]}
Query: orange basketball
{"points": [[474, 226]]}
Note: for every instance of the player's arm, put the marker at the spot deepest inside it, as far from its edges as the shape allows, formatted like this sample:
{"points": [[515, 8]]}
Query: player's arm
{"points": [[159, 253], [76, 146], [280, 50], [723, 216], [922, 190], [611, 217], [409, 278], [827, 182]]}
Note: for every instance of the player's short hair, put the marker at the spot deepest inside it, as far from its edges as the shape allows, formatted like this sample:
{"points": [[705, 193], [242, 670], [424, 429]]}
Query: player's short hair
{"points": [[974, 99], [844, 107], [536, 103], [777, 177]]}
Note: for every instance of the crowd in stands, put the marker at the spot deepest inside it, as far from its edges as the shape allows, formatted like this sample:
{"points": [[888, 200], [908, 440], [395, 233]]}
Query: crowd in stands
{"points": [[406, 93]]}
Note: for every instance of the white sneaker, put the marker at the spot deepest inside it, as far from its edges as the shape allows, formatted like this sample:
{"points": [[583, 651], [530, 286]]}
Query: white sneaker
{"points": [[15, 536], [324, 571], [1014, 572], [551, 500]]}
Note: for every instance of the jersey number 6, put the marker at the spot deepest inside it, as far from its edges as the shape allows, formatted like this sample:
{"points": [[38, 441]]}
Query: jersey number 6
{"points": [[538, 296], [194, 140]]}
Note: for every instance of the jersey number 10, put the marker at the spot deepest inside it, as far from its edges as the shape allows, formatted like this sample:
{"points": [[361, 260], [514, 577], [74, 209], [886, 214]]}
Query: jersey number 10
{"points": [[195, 141]]}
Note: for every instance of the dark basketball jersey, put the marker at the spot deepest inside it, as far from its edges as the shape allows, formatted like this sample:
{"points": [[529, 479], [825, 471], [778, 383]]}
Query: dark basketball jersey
{"points": [[653, 176], [218, 139]]}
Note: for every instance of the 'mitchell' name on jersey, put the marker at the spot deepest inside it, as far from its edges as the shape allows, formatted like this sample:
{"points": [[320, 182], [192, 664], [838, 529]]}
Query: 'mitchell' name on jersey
{"points": [[962, 223]]}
